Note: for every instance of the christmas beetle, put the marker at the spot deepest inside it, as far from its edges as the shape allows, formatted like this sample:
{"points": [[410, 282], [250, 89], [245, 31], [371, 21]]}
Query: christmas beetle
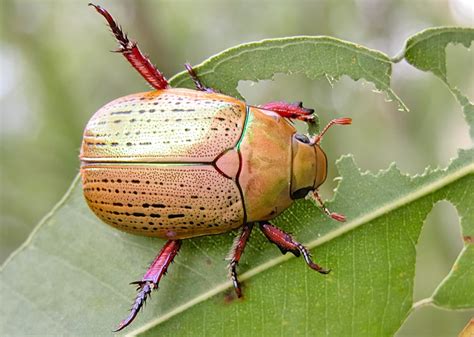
{"points": [[178, 163]]}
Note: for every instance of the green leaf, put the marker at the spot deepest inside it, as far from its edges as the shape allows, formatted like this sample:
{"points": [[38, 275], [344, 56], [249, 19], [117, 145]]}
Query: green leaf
{"points": [[70, 277], [427, 51], [314, 56]]}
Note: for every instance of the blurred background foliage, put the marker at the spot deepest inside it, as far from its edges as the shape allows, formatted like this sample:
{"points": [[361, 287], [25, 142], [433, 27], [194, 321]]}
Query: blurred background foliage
{"points": [[56, 70]]}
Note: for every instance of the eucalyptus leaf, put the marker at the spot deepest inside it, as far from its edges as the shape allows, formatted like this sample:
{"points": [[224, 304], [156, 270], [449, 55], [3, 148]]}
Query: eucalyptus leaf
{"points": [[427, 51], [70, 277], [314, 56]]}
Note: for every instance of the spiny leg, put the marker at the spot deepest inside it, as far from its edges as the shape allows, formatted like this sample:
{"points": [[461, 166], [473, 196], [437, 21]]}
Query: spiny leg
{"points": [[132, 53], [290, 110], [286, 243], [151, 279], [197, 82], [235, 254]]}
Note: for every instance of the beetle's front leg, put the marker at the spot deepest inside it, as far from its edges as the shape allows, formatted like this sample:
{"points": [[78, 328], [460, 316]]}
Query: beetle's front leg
{"points": [[286, 243], [235, 254], [151, 279], [132, 53], [290, 110]]}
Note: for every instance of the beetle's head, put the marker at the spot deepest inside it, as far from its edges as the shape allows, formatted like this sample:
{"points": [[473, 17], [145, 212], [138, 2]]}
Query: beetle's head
{"points": [[309, 166]]}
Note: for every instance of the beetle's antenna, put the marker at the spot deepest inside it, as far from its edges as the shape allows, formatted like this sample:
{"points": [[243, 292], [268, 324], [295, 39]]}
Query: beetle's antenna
{"points": [[338, 121], [335, 216]]}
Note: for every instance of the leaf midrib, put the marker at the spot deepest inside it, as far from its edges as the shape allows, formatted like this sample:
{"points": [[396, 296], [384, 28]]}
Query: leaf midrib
{"points": [[380, 211]]}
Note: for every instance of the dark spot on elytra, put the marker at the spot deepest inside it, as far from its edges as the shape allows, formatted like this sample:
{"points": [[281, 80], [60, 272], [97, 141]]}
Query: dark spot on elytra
{"points": [[172, 216]]}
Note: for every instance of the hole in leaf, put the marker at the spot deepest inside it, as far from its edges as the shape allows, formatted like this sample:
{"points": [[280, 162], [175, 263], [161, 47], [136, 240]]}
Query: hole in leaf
{"points": [[438, 247], [459, 67]]}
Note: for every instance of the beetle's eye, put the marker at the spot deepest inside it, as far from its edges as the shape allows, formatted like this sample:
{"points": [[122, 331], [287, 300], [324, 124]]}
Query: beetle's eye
{"points": [[301, 193], [302, 138]]}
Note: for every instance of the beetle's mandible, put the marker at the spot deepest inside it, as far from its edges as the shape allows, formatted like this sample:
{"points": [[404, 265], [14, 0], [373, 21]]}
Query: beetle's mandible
{"points": [[179, 163]]}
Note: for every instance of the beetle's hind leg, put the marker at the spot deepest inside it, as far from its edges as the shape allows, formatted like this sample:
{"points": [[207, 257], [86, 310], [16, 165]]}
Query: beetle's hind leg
{"points": [[132, 53], [286, 243], [197, 82], [236, 253], [151, 279]]}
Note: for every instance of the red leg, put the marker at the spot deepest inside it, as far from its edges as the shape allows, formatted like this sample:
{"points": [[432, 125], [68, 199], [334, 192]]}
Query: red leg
{"points": [[335, 216], [130, 50], [286, 243], [151, 279], [290, 110], [236, 252]]}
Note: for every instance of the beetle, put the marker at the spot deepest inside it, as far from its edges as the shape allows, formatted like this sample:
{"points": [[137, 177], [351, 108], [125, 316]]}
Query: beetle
{"points": [[178, 163]]}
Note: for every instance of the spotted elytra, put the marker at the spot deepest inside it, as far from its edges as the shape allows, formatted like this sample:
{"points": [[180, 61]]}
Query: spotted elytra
{"points": [[178, 163]]}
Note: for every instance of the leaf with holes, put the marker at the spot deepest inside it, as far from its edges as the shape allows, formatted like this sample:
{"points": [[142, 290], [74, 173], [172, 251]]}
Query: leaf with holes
{"points": [[69, 277]]}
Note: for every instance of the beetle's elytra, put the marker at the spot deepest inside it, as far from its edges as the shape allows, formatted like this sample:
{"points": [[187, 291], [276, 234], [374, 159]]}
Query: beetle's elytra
{"points": [[178, 163]]}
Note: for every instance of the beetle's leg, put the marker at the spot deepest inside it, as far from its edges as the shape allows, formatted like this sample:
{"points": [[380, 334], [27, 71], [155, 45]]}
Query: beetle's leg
{"points": [[336, 216], [151, 279], [290, 110], [338, 121], [235, 254], [286, 243], [132, 53], [196, 80]]}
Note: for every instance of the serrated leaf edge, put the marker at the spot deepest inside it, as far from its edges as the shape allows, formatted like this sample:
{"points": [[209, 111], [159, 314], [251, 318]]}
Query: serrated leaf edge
{"points": [[461, 172]]}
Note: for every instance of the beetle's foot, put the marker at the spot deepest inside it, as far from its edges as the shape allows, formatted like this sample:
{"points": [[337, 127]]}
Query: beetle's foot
{"points": [[286, 243], [335, 216], [145, 291], [235, 279], [235, 255], [309, 261], [197, 82], [291, 110], [151, 279]]}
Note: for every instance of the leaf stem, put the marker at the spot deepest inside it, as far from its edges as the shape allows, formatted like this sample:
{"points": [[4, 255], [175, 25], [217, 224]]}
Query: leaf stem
{"points": [[400, 56], [422, 303]]}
